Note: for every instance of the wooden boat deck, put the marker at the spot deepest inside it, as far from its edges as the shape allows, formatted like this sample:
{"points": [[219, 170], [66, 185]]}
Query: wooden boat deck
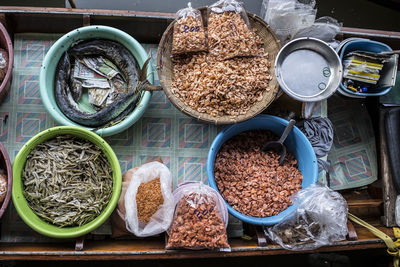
{"points": [[149, 27]]}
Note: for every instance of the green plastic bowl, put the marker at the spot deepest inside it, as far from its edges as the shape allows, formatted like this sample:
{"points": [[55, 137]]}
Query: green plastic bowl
{"points": [[48, 70], [21, 204]]}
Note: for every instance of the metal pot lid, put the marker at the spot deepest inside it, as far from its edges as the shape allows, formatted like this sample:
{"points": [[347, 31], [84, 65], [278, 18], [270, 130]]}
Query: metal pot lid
{"points": [[308, 69]]}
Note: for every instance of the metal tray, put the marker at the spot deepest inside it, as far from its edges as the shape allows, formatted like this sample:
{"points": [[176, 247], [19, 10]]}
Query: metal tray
{"points": [[308, 69]]}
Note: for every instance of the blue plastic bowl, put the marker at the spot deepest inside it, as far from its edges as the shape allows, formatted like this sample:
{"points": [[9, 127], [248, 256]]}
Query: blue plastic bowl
{"points": [[296, 143], [368, 46]]}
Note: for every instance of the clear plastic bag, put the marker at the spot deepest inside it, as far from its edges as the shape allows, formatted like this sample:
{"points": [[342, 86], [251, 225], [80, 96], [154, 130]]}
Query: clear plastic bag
{"points": [[200, 219], [189, 35], [397, 210], [286, 17], [229, 32], [3, 63], [324, 28], [3, 187], [320, 219], [234, 6], [162, 218]]}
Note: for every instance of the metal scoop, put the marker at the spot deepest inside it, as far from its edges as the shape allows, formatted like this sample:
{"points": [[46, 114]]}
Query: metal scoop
{"points": [[278, 146]]}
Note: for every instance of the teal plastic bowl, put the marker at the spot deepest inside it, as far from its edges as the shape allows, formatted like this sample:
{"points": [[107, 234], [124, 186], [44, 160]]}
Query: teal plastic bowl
{"points": [[21, 204], [48, 70]]}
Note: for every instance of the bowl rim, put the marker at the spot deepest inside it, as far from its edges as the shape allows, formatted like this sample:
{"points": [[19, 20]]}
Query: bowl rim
{"points": [[9, 174], [271, 220], [21, 204], [54, 110]]}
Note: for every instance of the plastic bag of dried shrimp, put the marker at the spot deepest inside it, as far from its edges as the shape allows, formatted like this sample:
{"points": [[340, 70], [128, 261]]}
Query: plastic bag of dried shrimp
{"points": [[200, 219], [148, 204], [189, 35], [229, 31]]}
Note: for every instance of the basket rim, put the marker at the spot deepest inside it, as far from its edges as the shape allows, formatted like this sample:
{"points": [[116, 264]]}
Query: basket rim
{"points": [[205, 117]]}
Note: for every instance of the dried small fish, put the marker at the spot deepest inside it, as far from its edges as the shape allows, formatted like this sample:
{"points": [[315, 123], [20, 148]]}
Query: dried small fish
{"points": [[67, 181]]}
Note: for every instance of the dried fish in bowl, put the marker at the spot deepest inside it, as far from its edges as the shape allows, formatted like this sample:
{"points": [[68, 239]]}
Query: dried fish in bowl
{"points": [[109, 72], [67, 181]]}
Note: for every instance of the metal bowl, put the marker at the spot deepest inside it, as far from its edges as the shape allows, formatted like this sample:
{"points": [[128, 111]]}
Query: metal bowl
{"points": [[308, 69]]}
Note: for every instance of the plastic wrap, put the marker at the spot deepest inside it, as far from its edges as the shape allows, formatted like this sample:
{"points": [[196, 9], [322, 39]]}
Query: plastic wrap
{"points": [[3, 63], [189, 34], [286, 17], [397, 210], [3, 187], [324, 28], [200, 219], [234, 6], [320, 219], [162, 218], [229, 32]]}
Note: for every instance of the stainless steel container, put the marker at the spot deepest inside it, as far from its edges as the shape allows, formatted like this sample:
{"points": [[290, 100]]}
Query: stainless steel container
{"points": [[308, 69]]}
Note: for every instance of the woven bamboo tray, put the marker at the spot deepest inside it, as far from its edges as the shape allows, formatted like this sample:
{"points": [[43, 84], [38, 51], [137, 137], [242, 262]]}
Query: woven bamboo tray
{"points": [[165, 72]]}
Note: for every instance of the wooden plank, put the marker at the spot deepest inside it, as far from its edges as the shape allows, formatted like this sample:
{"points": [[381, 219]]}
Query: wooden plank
{"points": [[365, 203], [370, 32], [261, 239], [389, 192], [128, 255], [143, 29], [388, 37], [78, 11], [154, 248], [44, 254], [352, 234], [150, 25], [72, 3], [79, 243], [50, 12], [86, 20]]}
